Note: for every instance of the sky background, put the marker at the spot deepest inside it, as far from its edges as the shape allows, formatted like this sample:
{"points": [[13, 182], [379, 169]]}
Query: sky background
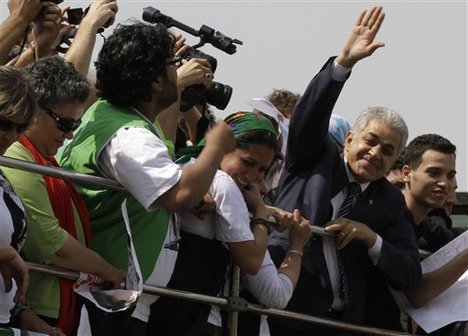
{"points": [[421, 72]]}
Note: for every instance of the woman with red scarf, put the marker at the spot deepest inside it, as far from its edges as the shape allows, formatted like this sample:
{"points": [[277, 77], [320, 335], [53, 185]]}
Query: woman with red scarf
{"points": [[58, 222]]}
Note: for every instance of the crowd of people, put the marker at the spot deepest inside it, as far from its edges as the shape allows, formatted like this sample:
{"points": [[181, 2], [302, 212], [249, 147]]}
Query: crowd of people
{"points": [[200, 193]]}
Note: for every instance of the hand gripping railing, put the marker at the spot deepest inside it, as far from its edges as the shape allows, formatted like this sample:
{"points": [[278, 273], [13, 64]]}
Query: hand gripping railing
{"points": [[233, 303]]}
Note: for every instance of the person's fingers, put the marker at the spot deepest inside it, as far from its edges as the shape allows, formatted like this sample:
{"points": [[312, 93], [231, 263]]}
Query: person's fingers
{"points": [[375, 15], [376, 27], [181, 51], [333, 227], [297, 215], [360, 18], [367, 17], [344, 240]]}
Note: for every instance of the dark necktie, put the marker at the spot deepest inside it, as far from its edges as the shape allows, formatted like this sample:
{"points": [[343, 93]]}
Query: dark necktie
{"points": [[352, 192]]}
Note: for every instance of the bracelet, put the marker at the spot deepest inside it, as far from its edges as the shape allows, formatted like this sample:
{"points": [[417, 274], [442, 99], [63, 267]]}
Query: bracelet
{"points": [[261, 221], [299, 253]]}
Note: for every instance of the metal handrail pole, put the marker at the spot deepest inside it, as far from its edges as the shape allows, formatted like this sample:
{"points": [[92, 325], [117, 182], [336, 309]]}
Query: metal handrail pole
{"points": [[259, 309], [253, 308], [233, 316], [179, 294], [155, 290], [60, 173], [55, 271]]}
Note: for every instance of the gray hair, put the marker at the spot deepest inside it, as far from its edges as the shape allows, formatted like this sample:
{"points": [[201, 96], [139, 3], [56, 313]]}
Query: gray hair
{"points": [[388, 116], [56, 81]]}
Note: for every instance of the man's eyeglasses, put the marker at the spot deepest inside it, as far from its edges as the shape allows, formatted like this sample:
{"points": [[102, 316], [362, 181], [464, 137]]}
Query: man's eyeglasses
{"points": [[8, 125], [64, 124], [175, 61]]}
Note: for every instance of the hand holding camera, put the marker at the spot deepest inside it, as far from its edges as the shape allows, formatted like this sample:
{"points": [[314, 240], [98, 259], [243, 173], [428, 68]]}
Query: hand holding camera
{"points": [[194, 71], [48, 29], [101, 13]]}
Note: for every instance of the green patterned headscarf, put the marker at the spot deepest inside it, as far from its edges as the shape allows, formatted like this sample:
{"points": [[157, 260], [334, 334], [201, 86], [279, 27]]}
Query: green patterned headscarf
{"points": [[241, 122]]}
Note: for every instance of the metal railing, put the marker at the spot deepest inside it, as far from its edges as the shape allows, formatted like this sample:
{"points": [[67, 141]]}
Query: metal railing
{"points": [[233, 303]]}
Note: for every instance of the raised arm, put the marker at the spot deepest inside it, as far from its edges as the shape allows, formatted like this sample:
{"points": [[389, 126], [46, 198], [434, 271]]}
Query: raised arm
{"points": [[46, 35], [13, 29], [100, 12], [310, 120]]}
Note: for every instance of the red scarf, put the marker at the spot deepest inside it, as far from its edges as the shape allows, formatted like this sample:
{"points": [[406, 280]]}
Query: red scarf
{"points": [[61, 195]]}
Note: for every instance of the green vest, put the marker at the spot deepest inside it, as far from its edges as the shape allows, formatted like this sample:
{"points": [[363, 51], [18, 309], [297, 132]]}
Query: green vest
{"points": [[109, 238]]}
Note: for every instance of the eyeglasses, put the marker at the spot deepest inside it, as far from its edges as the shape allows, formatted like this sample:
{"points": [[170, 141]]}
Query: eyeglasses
{"points": [[175, 61], [8, 125], [64, 124]]}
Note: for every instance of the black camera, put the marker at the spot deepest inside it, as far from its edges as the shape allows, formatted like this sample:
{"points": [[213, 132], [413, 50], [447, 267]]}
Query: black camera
{"points": [[217, 94]]}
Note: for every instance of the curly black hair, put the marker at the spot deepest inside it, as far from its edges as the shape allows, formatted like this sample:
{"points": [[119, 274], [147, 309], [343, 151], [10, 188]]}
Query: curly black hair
{"points": [[130, 60]]}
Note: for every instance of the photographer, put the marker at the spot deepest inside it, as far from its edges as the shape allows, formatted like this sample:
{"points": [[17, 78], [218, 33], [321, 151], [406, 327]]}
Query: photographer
{"points": [[137, 80]]}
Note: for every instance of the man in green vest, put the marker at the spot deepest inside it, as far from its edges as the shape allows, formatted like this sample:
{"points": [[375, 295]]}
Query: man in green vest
{"points": [[136, 80]]}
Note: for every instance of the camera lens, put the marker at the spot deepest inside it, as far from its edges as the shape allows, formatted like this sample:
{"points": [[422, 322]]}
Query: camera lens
{"points": [[219, 95]]}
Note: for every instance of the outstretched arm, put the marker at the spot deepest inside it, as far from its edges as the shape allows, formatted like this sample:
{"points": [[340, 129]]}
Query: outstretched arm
{"points": [[101, 12], [22, 13], [310, 120]]}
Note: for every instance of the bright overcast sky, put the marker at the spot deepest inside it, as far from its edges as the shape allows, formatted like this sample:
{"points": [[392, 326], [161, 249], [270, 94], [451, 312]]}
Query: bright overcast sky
{"points": [[421, 73]]}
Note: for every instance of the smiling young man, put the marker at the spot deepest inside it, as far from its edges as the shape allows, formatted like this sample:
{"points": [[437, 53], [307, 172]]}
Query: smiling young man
{"points": [[429, 174]]}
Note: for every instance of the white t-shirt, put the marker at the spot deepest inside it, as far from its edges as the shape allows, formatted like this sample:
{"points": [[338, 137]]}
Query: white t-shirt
{"points": [[139, 161], [231, 224], [12, 232]]}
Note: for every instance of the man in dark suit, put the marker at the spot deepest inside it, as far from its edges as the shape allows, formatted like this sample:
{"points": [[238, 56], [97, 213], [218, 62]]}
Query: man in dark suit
{"points": [[375, 233]]}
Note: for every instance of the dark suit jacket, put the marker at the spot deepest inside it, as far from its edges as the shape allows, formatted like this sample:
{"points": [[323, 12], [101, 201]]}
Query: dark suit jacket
{"points": [[314, 173]]}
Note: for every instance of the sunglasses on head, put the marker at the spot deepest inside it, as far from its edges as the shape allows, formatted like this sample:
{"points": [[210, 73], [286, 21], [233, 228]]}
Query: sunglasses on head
{"points": [[8, 125], [64, 124]]}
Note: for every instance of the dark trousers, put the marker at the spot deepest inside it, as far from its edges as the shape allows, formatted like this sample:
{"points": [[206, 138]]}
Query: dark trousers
{"points": [[115, 324]]}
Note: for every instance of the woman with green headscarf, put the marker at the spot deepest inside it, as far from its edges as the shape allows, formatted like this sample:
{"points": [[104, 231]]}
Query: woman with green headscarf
{"points": [[206, 244]]}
